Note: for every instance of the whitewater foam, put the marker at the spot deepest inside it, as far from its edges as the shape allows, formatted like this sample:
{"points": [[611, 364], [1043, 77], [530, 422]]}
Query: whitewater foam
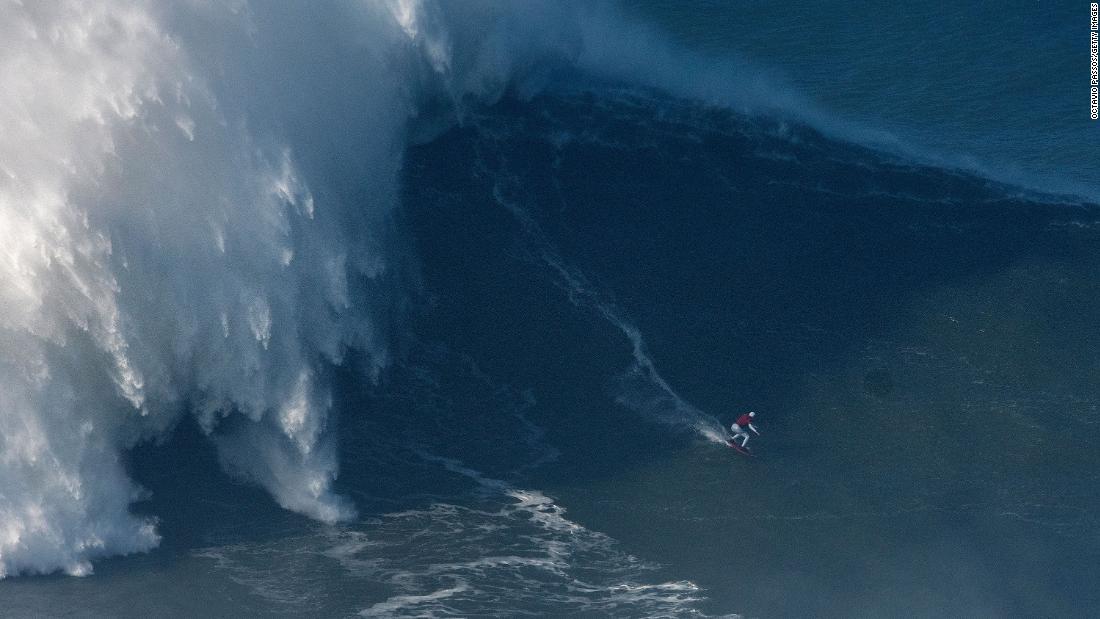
{"points": [[560, 563], [491, 548], [162, 253]]}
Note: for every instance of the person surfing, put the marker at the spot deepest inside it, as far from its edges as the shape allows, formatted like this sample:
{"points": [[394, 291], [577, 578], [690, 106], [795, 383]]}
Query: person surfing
{"points": [[739, 429]]}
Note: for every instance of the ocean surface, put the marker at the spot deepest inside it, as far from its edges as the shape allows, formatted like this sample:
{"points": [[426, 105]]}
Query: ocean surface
{"points": [[427, 310]]}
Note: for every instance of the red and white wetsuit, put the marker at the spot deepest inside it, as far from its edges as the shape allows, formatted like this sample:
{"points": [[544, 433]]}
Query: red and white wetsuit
{"points": [[740, 428]]}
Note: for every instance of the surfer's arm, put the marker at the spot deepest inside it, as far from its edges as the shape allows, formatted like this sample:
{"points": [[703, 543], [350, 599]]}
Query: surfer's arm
{"points": [[753, 428]]}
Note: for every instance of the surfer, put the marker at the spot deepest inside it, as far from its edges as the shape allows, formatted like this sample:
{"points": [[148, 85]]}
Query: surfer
{"points": [[738, 428]]}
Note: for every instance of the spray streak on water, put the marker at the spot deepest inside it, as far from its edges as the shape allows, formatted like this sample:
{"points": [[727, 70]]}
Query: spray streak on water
{"points": [[641, 386]]}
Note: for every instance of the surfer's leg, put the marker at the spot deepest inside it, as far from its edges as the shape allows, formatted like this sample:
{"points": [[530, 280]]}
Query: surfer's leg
{"points": [[746, 442]]}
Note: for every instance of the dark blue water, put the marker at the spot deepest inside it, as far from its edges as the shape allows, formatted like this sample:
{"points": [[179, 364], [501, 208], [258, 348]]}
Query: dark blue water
{"points": [[914, 338], [602, 272]]}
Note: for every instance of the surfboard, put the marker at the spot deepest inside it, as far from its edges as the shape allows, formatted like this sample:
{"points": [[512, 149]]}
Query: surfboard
{"points": [[739, 449]]}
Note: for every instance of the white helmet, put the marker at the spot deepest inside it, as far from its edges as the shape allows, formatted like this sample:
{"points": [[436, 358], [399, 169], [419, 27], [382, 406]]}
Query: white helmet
{"points": [[752, 413]]}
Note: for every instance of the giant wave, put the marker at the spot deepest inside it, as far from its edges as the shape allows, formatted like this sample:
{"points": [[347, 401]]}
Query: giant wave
{"points": [[197, 214], [196, 206]]}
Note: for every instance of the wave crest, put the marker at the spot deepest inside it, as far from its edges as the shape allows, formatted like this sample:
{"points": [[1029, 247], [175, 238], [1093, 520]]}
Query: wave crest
{"points": [[164, 254]]}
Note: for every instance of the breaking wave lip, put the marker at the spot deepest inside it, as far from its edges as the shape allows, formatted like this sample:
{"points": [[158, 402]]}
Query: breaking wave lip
{"points": [[165, 254]]}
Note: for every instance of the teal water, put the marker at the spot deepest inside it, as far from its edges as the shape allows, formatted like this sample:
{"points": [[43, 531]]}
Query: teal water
{"points": [[603, 274], [999, 87]]}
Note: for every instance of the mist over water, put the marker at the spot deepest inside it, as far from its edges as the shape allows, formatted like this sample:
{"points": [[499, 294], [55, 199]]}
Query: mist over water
{"points": [[406, 308]]}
